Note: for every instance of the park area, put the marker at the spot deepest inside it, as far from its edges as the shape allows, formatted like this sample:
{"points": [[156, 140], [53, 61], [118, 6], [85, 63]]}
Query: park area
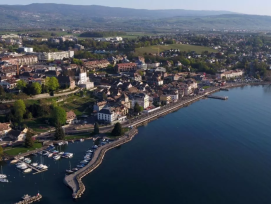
{"points": [[181, 47]]}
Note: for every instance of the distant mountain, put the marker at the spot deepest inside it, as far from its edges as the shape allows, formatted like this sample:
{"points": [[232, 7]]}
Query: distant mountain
{"points": [[104, 11], [113, 18]]}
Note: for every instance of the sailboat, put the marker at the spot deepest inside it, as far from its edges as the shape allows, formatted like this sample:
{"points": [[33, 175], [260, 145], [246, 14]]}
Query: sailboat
{"points": [[69, 171], [2, 176]]}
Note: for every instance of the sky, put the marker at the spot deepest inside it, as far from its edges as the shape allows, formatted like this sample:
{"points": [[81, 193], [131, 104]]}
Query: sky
{"points": [[260, 7]]}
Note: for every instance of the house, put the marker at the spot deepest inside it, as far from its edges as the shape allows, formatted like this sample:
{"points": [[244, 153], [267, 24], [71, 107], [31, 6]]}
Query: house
{"points": [[106, 115], [66, 81], [165, 98], [17, 135], [70, 117], [4, 129], [97, 64], [126, 67], [141, 98], [229, 74], [52, 73], [99, 106]]}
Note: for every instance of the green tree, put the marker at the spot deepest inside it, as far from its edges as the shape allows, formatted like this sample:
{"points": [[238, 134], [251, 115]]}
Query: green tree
{"points": [[19, 110], [2, 91], [96, 129], [52, 83], [29, 142], [21, 84], [58, 115], [36, 88], [117, 131], [59, 133], [138, 108], [1, 152]]}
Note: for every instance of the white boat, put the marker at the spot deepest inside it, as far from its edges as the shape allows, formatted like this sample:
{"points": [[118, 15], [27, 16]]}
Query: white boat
{"points": [[4, 180], [50, 155], [23, 167], [89, 154], [57, 157], [84, 162], [60, 143], [14, 161], [28, 170], [46, 154], [3, 176], [35, 164], [69, 171], [95, 147], [87, 158], [61, 153], [74, 169], [27, 160], [21, 158], [82, 140], [26, 197], [89, 151], [40, 153], [66, 142], [69, 155]]}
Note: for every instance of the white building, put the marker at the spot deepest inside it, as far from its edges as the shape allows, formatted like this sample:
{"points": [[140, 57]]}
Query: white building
{"points": [[142, 99], [84, 80], [230, 74], [48, 56], [25, 49], [106, 115]]}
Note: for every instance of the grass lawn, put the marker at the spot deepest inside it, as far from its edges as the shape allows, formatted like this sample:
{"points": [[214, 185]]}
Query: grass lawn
{"points": [[18, 150], [154, 49], [77, 137], [37, 125], [206, 87], [78, 104]]}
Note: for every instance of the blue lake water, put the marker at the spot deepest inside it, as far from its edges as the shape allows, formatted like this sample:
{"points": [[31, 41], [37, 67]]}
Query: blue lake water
{"points": [[211, 152]]}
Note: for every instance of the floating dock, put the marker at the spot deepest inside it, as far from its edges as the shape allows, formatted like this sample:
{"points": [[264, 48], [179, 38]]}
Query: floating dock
{"points": [[218, 97], [37, 171]]}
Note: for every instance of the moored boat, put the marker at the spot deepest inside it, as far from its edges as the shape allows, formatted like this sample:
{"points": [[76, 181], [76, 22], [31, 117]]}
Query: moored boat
{"points": [[35, 164], [57, 157], [28, 170], [14, 161], [3, 176], [2, 180]]}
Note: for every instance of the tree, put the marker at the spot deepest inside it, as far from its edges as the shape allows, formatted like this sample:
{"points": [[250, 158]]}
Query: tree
{"points": [[1, 152], [29, 142], [58, 116], [138, 108], [52, 83], [2, 91], [19, 110], [36, 88], [59, 133], [117, 131], [21, 84], [96, 129]]}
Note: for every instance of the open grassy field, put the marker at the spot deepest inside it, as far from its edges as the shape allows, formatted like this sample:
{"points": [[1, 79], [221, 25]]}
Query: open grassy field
{"points": [[78, 104], [132, 35], [37, 125], [20, 150], [154, 49]]}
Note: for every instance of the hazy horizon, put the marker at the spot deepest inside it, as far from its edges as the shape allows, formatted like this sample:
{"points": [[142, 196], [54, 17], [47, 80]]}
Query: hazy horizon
{"points": [[260, 7]]}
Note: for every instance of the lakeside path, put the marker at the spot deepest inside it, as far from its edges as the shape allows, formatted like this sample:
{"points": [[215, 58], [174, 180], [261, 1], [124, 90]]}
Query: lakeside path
{"points": [[74, 181]]}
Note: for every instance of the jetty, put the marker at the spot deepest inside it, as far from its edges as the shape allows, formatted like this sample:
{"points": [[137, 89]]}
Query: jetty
{"points": [[31, 199], [74, 181], [218, 97], [224, 89], [37, 171]]}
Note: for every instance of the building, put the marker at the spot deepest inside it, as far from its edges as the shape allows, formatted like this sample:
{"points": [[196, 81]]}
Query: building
{"points": [[66, 81], [106, 115], [126, 67], [99, 106], [79, 47], [4, 129], [20, 60], [17, 135], [141, 98], [165, 98], [49, 56], [96, 64], [229, 74], [25, 49], [84, 80]]}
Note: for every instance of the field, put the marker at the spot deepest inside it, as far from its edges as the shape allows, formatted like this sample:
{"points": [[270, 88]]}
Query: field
{"points": [[132, 35], [20, 150], [154, 49]]}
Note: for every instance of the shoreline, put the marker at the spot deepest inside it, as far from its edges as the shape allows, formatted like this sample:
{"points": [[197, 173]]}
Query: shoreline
{"points": [[74, 181]]}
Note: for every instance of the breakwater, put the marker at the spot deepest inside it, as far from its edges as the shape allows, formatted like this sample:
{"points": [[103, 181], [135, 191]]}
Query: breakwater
{"points": [[74, 181], [31, 199]]}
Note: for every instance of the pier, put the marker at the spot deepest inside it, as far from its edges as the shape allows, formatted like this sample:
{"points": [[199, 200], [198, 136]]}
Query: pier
{"points": [[219, 97], [31, 199], [74, 181], [37, 171]]}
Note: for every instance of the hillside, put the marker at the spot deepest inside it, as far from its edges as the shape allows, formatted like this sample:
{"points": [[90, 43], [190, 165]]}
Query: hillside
{"points": [[113, 18]]}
